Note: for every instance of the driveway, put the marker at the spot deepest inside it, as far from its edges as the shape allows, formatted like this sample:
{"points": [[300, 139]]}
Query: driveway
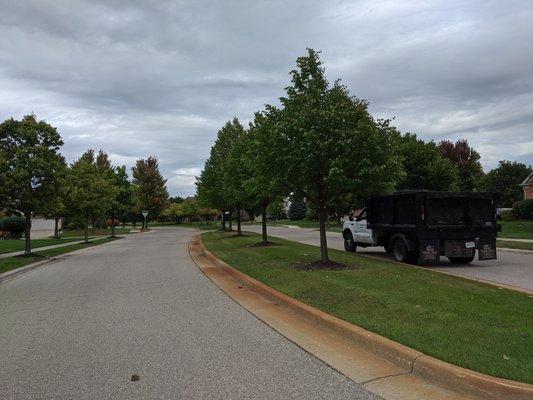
{"points": [[81, 327], [512, 268]]}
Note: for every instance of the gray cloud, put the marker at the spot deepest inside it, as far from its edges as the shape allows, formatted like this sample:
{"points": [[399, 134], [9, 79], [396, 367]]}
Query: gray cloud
{"points": [[160, 77]]}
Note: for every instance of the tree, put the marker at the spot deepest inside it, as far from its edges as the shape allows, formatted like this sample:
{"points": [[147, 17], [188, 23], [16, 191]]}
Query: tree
{"points": [[211, 185], [173, 212], [504, 181], [29, 167], [235, 170], [423, 165], [265, 159], [335, 146], [56, 206], [467, 161], [123, 200], [150, 187], [297, 210], [89, 193], [189, 209]]}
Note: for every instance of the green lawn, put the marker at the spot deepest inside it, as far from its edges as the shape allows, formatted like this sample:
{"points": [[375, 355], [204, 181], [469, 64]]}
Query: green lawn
{"points": [[7, 264], [514, 245], [195, 224], [463, 322], [8, 246], [522, 229], [95, 232]]}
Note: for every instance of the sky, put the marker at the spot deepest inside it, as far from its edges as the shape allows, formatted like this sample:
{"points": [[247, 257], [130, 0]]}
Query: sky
{"points": [[161, 77]]}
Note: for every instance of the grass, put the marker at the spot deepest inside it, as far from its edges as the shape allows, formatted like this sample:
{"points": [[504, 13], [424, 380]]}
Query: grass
{"points": [[514, 245], [7, 264], [195, 224], [95, 232], [522, 229], [9, 246], [474, 325]]}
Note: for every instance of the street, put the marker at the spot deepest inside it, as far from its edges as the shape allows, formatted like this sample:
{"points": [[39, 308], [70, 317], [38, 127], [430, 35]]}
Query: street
{"points": [[511, 268], [81, 327]]}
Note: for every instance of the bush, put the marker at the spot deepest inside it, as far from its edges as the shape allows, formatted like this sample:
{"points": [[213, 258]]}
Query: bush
{"points": [[13, 224], [523, 209], [508, 215], [297, 211]]}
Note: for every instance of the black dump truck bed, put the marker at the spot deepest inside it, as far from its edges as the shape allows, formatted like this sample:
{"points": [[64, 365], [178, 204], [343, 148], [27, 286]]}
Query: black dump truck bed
{"points": [[440, 220]]}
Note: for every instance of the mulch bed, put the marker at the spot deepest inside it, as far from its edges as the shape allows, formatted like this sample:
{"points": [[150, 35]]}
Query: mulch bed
{"points": [[320, 265]]}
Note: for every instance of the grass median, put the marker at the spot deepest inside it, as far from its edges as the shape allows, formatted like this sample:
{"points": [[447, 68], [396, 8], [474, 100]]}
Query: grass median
{"points": [[522, 229], [470, 324], [514, 245], [9, 246], [10, 263]]}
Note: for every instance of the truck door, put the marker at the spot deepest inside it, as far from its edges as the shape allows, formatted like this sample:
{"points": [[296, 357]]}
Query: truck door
{"points": [[362, 233]]}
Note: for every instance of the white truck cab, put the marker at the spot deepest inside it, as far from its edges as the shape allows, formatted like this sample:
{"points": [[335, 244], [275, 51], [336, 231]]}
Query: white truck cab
{"points": [[359, 234]]}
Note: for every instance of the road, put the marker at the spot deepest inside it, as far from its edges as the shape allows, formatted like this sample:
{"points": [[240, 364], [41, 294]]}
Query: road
{"points": [[81, 327], [511, 268]]}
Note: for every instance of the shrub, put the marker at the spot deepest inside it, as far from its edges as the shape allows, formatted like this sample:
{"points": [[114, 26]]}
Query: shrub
{"points": [[297, 211], [13, 224], [523, 209], [508, 215]]}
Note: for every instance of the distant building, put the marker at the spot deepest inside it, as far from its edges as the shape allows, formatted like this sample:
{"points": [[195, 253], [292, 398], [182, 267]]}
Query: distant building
{"points": [[527, 185], [42, 228]]}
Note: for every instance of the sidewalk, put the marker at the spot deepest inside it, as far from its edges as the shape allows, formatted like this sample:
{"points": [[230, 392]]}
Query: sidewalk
{"points": [[516, 240], [54, 246]]}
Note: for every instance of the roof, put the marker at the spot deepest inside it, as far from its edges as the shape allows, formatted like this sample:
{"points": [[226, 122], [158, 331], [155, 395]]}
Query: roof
{"points": [[528, 181]]}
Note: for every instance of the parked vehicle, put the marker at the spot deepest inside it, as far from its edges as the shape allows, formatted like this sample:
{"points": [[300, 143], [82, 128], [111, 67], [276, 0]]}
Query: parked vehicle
{"points": [[420, 226]]}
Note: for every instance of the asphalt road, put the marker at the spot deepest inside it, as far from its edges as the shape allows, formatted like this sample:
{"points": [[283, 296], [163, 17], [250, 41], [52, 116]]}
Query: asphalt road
{"points": [[511, 268], [79, 329]]}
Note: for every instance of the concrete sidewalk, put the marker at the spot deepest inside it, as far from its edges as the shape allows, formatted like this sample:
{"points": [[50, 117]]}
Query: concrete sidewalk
{"points": [[53, 246]]}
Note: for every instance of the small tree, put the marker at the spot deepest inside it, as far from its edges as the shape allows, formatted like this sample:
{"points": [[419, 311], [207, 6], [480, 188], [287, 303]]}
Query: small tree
{"points": [[150, 187], [30, 165], [89, 193], [336, 147], [297, 210]]}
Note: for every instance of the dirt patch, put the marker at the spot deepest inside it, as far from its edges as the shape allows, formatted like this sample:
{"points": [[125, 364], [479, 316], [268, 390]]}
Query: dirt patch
{"points": [[263, 244], [321, 265]]}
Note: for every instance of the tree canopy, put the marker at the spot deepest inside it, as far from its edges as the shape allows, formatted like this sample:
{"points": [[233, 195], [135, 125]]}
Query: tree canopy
{"points": [[149, 186]]}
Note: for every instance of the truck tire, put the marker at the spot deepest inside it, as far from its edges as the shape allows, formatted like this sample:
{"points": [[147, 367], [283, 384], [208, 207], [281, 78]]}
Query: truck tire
{"points": [[462, 260], [349, 243], [401, 253]]}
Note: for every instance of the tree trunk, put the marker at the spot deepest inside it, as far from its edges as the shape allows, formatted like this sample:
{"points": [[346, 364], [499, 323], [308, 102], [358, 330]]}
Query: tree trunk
{"points": [[322, 216], [239, 233], [56, 227], [27, 234], [264, 224], [113, 224], [86, 232]]}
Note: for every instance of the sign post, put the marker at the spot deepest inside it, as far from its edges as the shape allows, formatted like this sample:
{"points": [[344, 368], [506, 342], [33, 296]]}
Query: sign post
{"points": [[145, 214]]}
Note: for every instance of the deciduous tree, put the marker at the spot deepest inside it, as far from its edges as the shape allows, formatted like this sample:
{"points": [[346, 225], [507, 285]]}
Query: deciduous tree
{"points": [[466, 159], [504, 181], [30, 164]]}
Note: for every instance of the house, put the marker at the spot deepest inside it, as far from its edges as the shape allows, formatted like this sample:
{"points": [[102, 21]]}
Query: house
{"points": [[527, 185], [42, 228]]}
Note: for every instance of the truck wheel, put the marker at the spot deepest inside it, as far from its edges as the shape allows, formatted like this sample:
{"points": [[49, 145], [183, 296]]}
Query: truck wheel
{"points": [[402, 254], [349, 243], [461, 260]]}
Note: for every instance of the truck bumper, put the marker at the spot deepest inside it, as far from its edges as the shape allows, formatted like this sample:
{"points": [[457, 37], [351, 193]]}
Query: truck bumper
{"points": [[431, 250]]}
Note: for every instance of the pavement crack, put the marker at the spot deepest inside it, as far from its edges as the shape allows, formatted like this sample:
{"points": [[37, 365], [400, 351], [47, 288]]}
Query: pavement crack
{"points": [[384, 377]]}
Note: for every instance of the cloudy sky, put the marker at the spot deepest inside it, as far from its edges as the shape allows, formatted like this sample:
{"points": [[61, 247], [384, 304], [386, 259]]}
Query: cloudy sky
{"points": [[160, 77]]}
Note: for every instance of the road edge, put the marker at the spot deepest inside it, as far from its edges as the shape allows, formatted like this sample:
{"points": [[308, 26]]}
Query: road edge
{"points": [[451, 377]]}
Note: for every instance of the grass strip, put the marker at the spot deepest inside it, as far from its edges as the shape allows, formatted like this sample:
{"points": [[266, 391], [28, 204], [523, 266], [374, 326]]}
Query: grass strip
{"points": [[10, 263], [9, 246], [470, 324], [514, 245], [522, 229]]}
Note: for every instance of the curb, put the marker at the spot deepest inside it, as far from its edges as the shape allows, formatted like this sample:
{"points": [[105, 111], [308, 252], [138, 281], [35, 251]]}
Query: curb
{"points": [[448, 376]]}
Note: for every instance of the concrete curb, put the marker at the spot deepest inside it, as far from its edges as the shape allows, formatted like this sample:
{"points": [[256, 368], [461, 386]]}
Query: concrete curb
{"points": [[453, 378]]}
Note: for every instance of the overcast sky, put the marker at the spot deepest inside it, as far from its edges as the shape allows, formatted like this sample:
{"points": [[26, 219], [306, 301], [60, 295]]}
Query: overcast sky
{"points": [[161, 77]]}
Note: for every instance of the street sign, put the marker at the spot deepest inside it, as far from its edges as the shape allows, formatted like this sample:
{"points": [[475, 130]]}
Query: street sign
{"points": [[145, 213]]}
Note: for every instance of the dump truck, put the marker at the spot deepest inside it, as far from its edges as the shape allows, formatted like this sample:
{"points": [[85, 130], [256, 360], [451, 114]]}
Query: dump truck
{"points": [[422, 225]]}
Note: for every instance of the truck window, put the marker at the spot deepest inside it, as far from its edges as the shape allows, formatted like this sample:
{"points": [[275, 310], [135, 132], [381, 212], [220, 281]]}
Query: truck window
{"points": [[446, 211]]}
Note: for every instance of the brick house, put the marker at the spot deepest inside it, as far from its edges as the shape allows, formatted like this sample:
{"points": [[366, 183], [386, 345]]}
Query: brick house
{"points": [[527, 185]]}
